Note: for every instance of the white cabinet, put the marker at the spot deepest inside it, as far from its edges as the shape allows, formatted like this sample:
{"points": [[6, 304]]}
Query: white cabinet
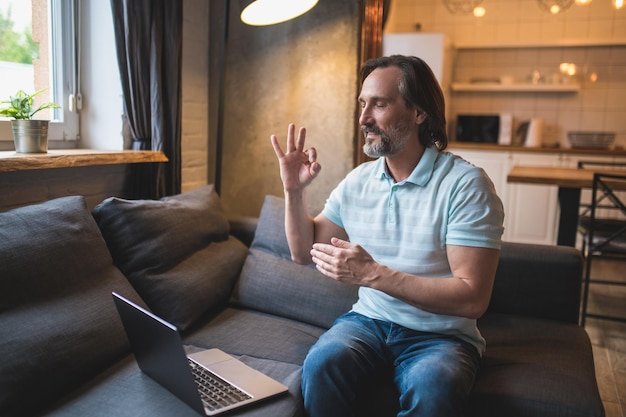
{"points": [[531, 211]]}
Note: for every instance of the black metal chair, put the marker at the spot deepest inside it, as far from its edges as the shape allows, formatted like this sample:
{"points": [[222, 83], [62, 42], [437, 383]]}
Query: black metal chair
{"points": [[603, 227], [586, 205]]}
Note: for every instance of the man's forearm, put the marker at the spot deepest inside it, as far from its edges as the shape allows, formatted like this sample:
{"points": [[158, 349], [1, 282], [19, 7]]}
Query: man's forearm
{"points": [[299, 227]]}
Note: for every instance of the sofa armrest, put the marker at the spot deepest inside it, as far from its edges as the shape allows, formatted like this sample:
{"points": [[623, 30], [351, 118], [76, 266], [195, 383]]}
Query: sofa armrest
{"points": [[243, 228], [538, 281]]}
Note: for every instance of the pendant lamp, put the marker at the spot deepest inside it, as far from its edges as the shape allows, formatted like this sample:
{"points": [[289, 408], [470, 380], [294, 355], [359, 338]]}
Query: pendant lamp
{"points": [[270, 12], [555, 6], [461, 7]]}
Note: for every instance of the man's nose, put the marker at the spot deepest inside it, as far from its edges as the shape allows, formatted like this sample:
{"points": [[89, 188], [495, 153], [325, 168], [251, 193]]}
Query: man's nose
{"points": [[365, 118]]}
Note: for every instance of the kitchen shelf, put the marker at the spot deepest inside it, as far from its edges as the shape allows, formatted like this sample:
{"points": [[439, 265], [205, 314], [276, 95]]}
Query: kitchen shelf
{"points": [[522, 88], [563, 43]]}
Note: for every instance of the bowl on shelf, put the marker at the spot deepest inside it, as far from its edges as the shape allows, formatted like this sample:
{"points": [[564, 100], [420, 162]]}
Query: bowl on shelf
{"points": [[591, 140]]}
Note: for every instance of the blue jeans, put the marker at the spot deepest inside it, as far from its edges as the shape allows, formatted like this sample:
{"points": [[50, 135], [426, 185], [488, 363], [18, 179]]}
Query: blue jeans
{"points": [[433, 373]]}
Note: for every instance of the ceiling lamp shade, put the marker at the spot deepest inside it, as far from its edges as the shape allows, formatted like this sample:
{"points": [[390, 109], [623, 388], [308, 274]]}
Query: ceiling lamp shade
{"points": [[270, 12], [461, 6], [555, 6]]}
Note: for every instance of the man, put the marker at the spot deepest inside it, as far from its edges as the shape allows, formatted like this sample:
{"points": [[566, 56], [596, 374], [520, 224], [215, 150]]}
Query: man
{"points": [[418, 230]]}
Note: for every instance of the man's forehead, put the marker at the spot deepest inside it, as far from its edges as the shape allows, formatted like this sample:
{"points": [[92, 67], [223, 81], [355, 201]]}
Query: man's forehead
{"points": [[381, 83]]}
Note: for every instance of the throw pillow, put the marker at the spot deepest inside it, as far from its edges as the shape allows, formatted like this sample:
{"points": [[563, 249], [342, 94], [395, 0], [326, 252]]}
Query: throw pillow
{"points": [[176, 251], [58, 323], [272, 283]]}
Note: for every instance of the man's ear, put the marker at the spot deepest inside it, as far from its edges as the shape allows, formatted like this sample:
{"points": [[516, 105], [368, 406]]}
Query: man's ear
{"points": [[420, 117]]}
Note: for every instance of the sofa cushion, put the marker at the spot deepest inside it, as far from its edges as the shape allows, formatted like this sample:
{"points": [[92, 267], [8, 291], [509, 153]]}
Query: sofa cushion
{"points": [[124, 391], [272, 283], [58, 323], [240, 331], [176, 251]]}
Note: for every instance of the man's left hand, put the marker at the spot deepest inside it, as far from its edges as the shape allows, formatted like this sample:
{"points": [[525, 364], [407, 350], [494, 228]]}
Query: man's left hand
{"points": [[344, 261]]}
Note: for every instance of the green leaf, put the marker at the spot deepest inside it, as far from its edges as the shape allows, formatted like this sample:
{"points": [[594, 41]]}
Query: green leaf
{"points": [[20, 106]]}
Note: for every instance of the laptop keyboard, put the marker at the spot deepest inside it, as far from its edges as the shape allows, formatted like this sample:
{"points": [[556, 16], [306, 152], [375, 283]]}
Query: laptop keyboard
{"points": [[214, 391]]}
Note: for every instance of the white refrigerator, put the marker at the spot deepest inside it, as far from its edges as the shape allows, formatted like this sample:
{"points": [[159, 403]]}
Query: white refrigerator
{"points": [[433, 48]]}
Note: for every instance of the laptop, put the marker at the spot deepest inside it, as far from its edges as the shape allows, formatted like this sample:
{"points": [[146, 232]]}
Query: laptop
{"points": [[159, 351]]}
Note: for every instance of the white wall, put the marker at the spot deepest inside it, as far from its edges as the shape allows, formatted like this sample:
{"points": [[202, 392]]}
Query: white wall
{"points": [[100, 117]]}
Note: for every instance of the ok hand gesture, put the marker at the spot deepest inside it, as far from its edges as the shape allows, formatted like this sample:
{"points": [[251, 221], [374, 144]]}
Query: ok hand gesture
{"points": [[298, 167]]}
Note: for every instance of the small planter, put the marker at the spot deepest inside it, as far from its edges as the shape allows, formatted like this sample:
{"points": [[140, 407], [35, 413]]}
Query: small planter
{"points": [[30, 136]]}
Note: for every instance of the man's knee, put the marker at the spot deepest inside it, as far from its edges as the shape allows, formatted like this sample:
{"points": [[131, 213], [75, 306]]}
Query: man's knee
{"points": [[324, 358]]}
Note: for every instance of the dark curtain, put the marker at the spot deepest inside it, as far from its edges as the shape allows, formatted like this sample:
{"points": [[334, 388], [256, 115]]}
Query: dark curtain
{"points": [[148, 36]]}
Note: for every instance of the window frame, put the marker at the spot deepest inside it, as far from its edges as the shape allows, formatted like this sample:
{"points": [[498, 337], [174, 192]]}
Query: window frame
{"points": [[63, 24]]}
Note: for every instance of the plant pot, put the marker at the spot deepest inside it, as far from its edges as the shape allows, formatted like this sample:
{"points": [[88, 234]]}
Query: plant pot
{"points": [[30, 136]]}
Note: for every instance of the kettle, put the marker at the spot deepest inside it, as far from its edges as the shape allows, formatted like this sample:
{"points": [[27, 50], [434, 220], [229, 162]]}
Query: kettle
{"points": [[530, 132]]}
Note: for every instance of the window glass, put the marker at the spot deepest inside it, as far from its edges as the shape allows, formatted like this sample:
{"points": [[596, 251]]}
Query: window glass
{"points": [[38, 52]]}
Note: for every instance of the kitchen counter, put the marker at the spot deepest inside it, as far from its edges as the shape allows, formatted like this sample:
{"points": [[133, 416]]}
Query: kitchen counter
{"points": [[562, 177], [532, 209], [570, 182], [542, 150]]}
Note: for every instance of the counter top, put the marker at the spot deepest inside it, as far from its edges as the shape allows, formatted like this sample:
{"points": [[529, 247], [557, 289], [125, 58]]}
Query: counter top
{"points": [[545, 150], [66, 158], [562, 177]]}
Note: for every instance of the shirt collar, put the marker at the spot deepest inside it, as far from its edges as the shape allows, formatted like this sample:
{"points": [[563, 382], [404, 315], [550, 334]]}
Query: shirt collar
{"points": [[421, 173]]}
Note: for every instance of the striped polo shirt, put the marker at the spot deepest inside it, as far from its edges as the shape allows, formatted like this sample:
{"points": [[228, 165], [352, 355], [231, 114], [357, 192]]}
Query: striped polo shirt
{"points": [[407, 225]]}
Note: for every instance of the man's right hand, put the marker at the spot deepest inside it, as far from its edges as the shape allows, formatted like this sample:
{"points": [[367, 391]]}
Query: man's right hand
{"points": [[298, 167]]}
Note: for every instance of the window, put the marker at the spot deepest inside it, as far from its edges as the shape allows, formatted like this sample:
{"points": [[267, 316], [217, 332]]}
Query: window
{"points": [[47, 29]]}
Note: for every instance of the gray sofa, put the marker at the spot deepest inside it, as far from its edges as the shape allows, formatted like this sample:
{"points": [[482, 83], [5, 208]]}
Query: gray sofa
{"points": [[63, 351]]}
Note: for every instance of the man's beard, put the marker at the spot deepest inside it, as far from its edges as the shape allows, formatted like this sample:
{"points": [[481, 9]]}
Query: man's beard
{"points": [[391, 141]]}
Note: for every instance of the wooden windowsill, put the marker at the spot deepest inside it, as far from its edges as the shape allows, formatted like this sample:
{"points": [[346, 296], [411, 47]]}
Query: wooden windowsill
{"points": [[67, 158]]}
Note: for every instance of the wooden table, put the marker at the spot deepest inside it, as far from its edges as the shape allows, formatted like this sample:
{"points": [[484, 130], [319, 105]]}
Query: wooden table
{"points": [[570, 182]]}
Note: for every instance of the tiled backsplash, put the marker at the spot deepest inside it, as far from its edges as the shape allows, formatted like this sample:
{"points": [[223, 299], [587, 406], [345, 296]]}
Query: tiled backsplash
{"points": [[598, 106], [510, 20], [601, 70]]}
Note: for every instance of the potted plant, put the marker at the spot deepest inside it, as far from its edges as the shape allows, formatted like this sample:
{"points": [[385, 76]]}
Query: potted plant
{"points": [[30, 136]]}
